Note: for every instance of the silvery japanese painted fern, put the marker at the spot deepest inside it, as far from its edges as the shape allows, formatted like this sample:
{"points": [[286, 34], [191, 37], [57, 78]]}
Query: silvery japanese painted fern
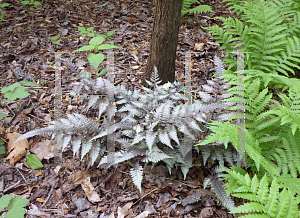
{"points": [[151, 126]]}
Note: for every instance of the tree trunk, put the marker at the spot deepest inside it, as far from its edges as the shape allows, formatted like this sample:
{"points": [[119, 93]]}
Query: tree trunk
{"points": [[167, 16]]}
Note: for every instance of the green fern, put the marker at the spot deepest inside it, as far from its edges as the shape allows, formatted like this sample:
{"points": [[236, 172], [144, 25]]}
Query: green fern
{"points": [[268, 33], [267, 79], [289, 111], [186, 7], [271, 136], [286, 152], [265, 201], [256, 103]]}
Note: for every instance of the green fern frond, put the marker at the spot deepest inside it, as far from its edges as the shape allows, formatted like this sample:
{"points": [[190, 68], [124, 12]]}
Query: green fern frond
{"points": [[293, 184], [186, 7], [290, 57], [267, 33], [286, 152], [200, 9], [265, 201]]}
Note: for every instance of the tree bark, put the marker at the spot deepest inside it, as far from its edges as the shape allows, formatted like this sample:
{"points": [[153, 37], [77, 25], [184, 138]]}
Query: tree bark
{"points": [[164, 39]]}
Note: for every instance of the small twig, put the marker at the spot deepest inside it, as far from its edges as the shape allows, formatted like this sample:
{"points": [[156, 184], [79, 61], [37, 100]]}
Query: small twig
{"points": [[10, 109], [39, 87], [50, 193], [17, 184], [217, 212], [148, 194], [108, 177], [124, 172], [20, 114], [193, 186], [38, 118], [21, 175], [32, 102]]}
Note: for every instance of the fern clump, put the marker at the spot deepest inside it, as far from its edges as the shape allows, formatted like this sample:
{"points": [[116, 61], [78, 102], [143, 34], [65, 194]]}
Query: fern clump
{"points": [[151, 127], [269, 34], [157, 121], [271, 137]]}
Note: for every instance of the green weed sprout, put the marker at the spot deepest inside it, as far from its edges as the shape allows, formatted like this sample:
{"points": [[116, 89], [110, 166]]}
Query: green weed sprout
{"points": [[87, 31], [15, 91], [2, 148], [31, 3], [2, 5], [55, 39], [96, 44], [16, 206]]}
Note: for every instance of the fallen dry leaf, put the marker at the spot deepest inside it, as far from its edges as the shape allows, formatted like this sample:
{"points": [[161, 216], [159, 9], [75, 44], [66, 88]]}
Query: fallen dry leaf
{"points": [[40, 200], [38, 174], [135, 67], [45, 150], [82, 178], [89, 190], [17, 150], [124, 211], [199, 46], [77, 177]]}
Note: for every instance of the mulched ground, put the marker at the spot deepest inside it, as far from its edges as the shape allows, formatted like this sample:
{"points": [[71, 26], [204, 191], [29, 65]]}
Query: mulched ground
{"points": [[26, 52]]}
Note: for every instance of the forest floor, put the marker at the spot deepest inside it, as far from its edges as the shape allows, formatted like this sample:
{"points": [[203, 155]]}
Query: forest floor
{"points": [[27, 52]]}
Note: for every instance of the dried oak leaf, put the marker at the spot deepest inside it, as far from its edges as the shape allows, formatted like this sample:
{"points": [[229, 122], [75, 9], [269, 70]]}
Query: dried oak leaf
{"points": [[17, 150]]}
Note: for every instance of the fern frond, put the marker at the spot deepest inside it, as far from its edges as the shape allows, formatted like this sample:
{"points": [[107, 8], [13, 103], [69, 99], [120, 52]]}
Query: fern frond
{"points": [[286, 154], [137, 175], [154, 156], [265, 201], [215, 180], [186, 5], [200, 9], [290, 57], [216, 152], [267, 33], [120, 156]]}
